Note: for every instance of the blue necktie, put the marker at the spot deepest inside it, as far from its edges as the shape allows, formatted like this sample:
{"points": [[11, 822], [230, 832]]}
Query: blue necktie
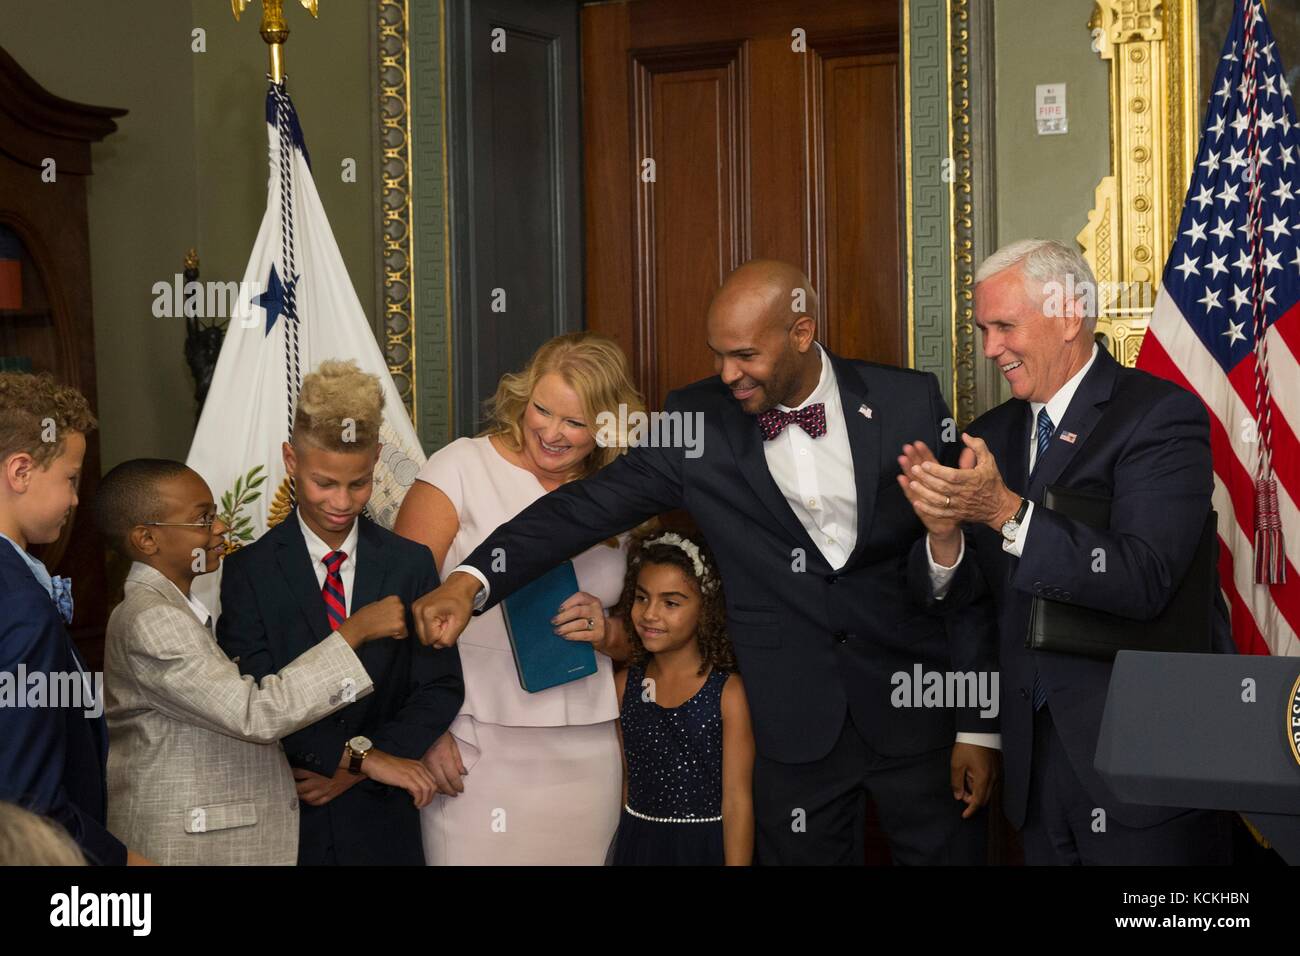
{"points": [[1044, 438], [62, 594]]}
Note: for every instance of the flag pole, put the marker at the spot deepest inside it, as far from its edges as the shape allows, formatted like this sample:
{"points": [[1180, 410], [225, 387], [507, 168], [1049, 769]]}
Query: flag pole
{"points": [[274, 30]]}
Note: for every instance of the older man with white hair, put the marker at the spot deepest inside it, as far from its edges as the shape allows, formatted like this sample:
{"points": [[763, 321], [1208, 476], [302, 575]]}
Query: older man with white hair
{"points": [[1077, 420]]}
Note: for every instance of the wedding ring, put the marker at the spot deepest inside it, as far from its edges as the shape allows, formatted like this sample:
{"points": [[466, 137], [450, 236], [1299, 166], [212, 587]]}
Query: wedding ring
{"points": [[947, 501], [591, 624]]}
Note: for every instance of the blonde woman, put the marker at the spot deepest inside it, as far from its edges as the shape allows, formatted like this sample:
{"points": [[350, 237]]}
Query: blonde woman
{"points": [[528, 778]]}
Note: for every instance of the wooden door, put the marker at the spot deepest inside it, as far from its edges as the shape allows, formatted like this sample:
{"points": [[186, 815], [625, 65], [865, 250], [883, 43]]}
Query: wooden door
{"points": [[717, 131]]}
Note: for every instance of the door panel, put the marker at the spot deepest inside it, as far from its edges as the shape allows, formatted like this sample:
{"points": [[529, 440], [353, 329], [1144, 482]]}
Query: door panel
{"points": [[690, 231], [514, 163], [759, 151]]}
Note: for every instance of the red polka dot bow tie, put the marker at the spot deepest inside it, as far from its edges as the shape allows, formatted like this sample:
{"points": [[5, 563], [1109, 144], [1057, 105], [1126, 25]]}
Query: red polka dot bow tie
{"points": [[811, 418]]}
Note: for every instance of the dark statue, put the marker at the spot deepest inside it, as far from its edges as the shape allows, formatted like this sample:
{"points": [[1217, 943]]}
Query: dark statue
{"points": [[202, 337]]}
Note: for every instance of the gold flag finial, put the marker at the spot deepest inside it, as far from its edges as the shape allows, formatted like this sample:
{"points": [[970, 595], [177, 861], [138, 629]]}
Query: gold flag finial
{"points": [[274, 29]]}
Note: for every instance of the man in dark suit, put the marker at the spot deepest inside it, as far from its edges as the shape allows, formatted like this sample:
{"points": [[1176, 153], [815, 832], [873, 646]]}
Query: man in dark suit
{"points": [[1077, 420], [359, 769], [794, 487]]}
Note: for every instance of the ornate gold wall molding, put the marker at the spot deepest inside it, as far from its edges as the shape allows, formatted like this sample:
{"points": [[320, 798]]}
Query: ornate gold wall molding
{"points": [[395, 199], [963, 221], [1151, 46], [939, 195]]}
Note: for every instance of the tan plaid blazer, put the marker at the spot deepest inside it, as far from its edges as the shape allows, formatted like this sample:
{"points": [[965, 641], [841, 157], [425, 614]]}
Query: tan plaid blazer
{"points": [[196, 773]]}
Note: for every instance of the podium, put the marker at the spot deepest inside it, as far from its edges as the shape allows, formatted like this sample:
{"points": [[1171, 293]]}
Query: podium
{"points": [[1208, 731]]}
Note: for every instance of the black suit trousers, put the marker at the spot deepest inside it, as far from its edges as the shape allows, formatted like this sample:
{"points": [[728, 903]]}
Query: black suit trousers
{"points": [[814, 813], [1064, 828]]}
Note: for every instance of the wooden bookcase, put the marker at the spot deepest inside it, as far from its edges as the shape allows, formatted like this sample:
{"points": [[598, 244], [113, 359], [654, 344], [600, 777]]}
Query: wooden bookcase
{"points": [[44, 162]]}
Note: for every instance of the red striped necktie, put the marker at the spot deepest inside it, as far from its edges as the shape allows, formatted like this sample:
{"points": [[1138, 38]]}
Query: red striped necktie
{"points": [[335, 603]]}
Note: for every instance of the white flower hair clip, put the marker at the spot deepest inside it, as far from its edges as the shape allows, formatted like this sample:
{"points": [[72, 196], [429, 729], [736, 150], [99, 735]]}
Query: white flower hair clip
{"points": [[707, 581]]}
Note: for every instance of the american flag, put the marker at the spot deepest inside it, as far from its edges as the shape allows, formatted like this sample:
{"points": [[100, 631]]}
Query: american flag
{"points": [[1226, 326]]}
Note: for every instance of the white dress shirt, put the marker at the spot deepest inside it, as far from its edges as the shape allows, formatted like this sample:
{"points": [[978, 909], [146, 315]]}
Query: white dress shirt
{"points": [[317, 549], [1056, 407], [197, 608], [816, 474]]}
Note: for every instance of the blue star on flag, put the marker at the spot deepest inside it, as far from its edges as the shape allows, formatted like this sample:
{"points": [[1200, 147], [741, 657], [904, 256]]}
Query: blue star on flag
{"points": [[275, 298]]}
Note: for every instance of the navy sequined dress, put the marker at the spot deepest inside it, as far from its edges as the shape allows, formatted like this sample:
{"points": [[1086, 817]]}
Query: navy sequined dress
{"points": [[673, 815]]}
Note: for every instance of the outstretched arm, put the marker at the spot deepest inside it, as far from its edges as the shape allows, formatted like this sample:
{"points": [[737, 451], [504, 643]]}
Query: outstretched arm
{"points": [[638, 485], [183, 675]]}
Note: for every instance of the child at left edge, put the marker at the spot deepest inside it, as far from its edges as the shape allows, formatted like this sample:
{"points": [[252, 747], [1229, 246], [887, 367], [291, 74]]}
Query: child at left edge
{"points": [[52, 758]]}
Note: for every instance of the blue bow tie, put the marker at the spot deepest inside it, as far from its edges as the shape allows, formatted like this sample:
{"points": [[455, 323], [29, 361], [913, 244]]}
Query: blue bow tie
{"points": [[62, 588]]}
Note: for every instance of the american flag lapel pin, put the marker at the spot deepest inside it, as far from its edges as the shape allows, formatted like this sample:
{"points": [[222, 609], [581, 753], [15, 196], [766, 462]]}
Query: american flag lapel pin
{"points": [[865, 411], [1069, 436]]}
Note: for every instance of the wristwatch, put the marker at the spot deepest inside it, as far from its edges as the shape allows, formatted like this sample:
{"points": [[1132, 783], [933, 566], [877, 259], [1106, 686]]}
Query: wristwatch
{"points": [[358, 749], [1011, 527]]}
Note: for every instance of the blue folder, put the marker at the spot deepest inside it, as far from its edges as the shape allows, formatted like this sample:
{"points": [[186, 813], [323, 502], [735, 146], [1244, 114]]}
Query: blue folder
{"points": [[543, 658]]}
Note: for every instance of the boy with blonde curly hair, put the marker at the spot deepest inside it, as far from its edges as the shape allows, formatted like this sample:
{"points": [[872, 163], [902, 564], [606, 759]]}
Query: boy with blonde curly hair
{"points": [[296, 584]]}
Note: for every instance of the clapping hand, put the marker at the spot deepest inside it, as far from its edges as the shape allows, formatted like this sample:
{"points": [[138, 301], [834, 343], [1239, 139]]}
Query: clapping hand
{"points": [[914, 456], [975, 492]]}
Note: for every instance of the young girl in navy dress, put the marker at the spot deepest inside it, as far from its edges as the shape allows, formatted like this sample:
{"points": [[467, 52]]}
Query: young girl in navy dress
{"points": [[688, 750]]}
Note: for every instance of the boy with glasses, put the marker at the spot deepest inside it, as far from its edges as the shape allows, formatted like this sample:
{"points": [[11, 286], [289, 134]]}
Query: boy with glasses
{"points": [[196, 773]]}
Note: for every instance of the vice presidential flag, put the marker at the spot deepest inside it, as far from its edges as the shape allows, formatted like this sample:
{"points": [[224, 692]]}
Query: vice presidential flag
{"points": [[296, 308], [1226, 325]]}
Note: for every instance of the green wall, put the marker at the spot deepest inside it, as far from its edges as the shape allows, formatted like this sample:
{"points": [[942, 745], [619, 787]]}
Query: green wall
{"points": [[329, 76], [1045, 184], [188, 167], [141, 198]]}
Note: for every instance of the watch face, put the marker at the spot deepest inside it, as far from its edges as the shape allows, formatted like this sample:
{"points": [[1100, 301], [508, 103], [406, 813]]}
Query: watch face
{"points": [[360, 744], [1010, 528]]}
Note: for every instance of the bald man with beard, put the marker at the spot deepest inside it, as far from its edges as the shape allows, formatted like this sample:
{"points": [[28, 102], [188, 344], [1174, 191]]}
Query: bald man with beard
{"points": [[834, 601]]}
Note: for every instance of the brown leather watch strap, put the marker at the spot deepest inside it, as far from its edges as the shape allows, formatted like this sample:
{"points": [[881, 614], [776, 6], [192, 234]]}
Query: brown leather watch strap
{"points": [[355, 759]]}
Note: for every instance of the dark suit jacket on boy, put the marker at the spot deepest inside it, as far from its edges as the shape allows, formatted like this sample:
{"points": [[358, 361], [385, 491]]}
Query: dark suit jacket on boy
{"points": [[52, 759], [272, 611]]}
